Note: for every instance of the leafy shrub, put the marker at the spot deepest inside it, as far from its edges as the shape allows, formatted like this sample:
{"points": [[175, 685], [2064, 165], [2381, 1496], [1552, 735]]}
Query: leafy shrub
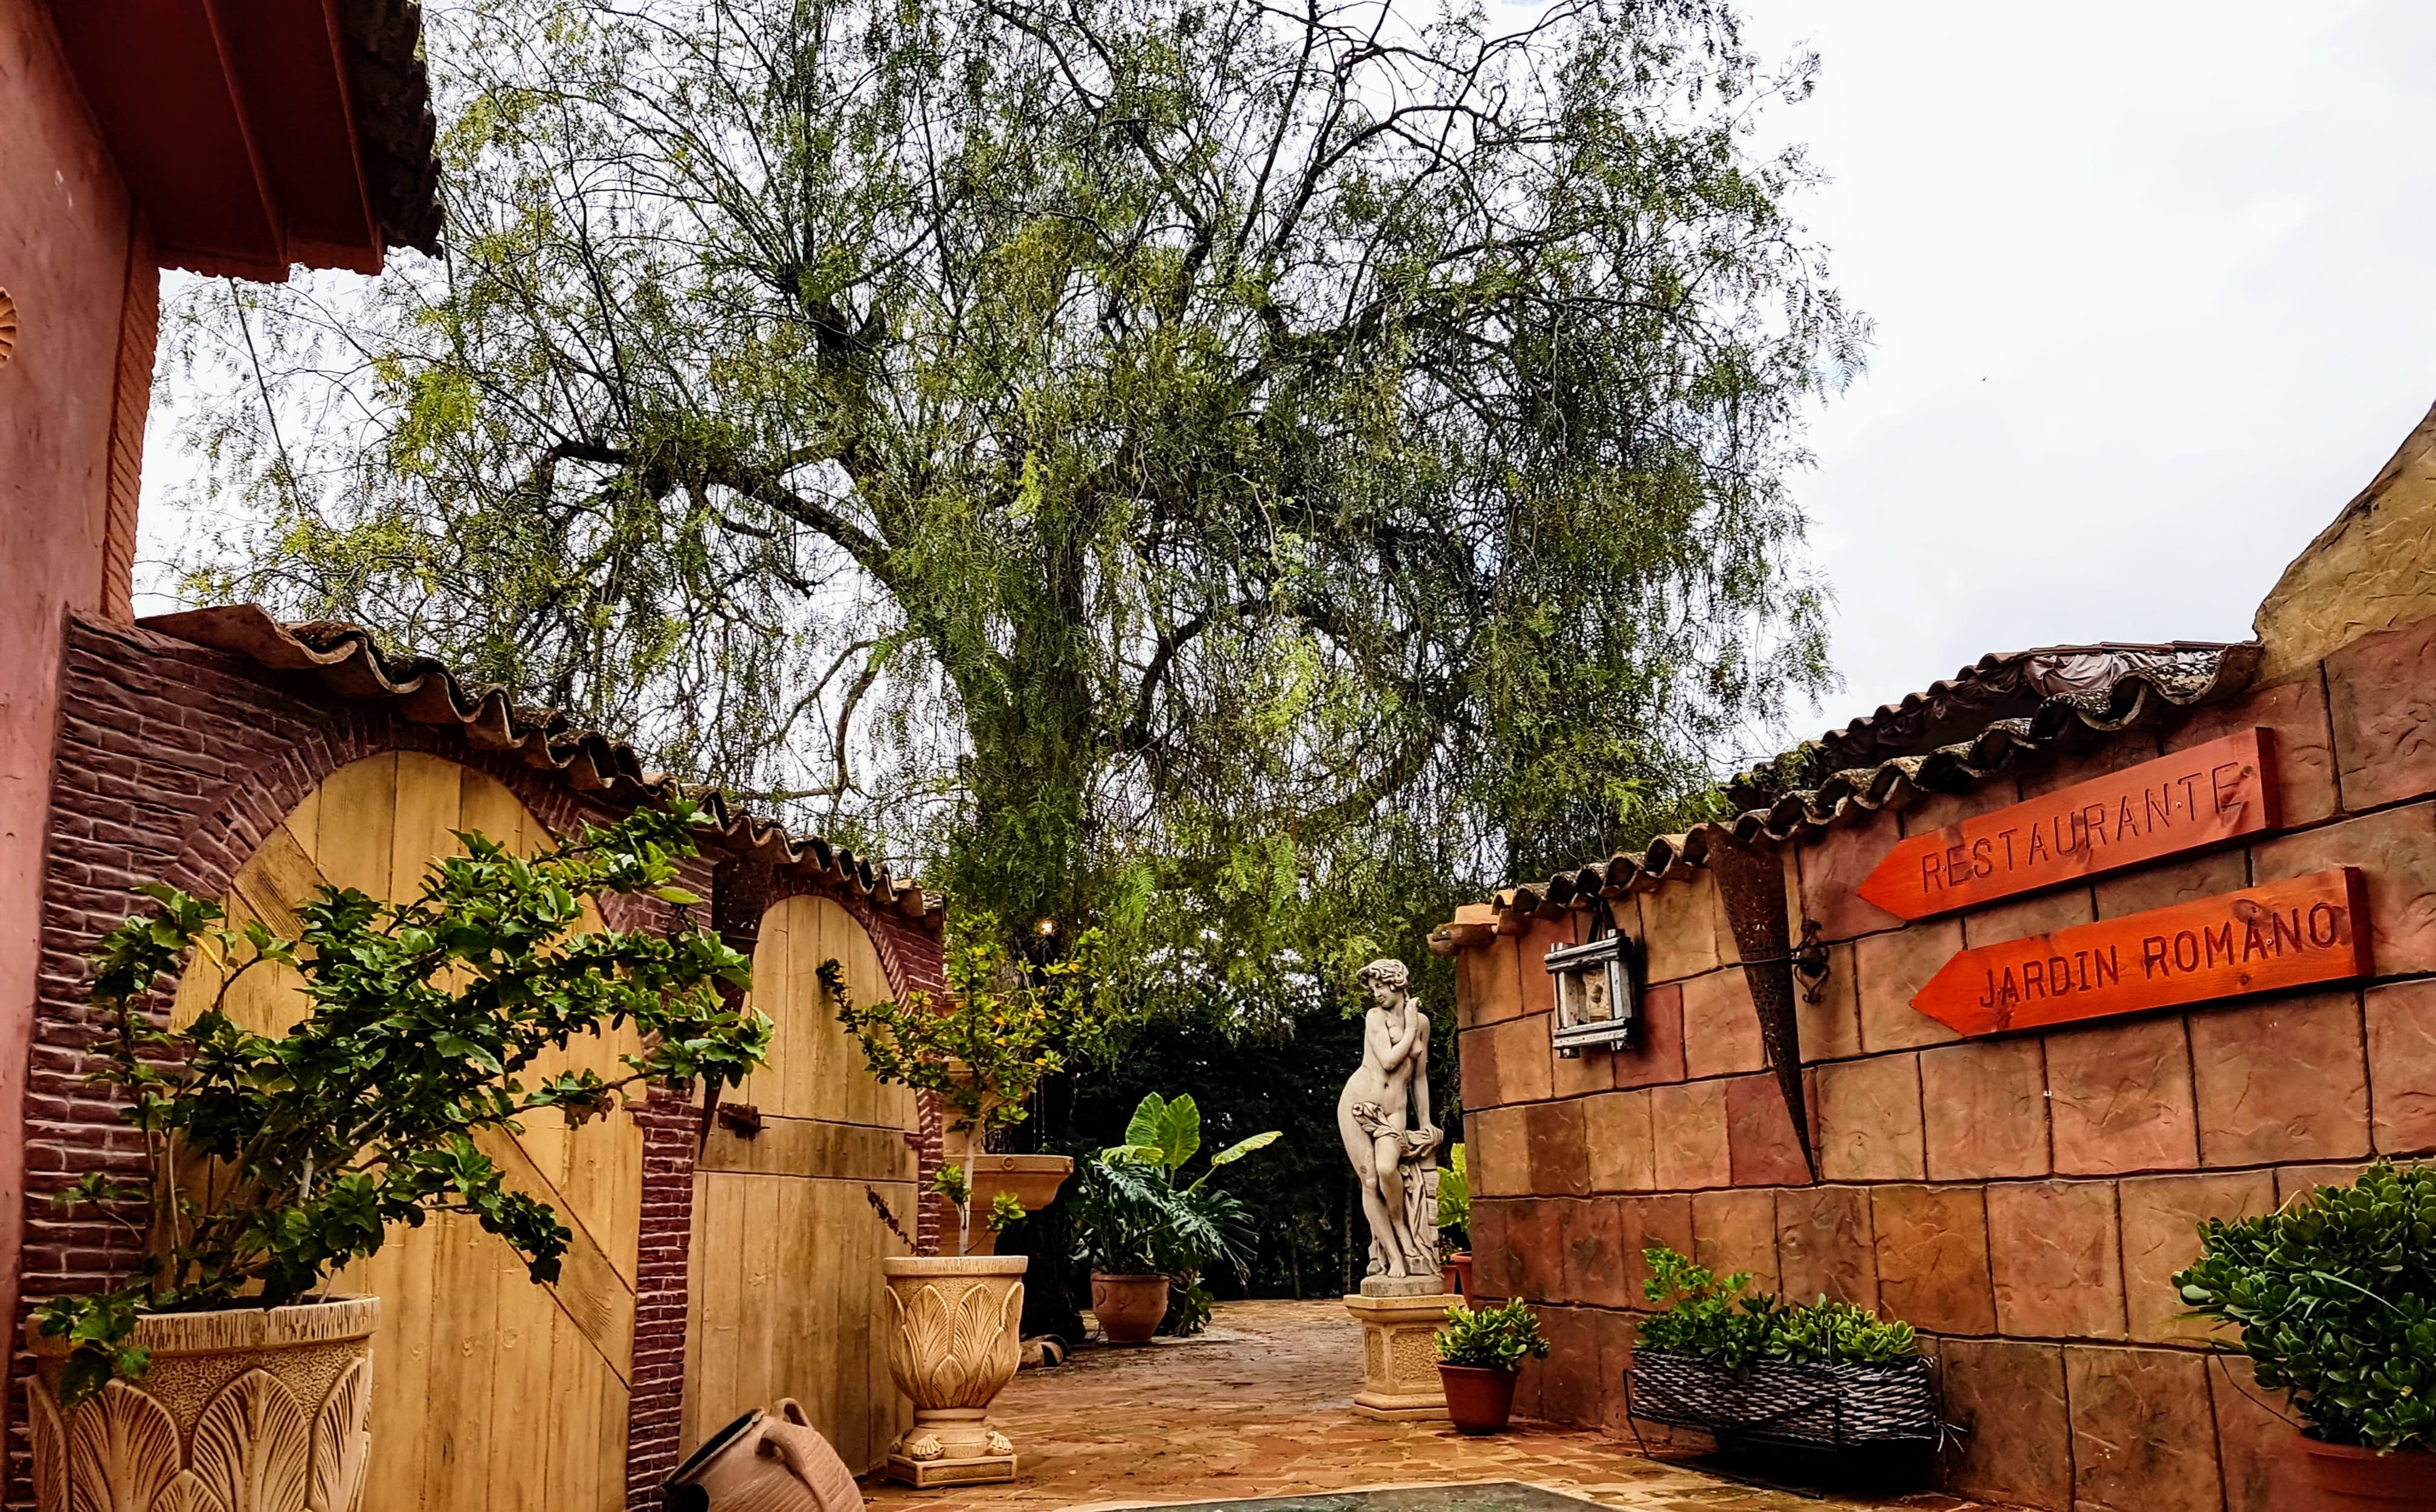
{"points": [[1706, 1317], [2335, 1296], [984, 1046], [1711, 1318], [277, 1160], [1497, 1338], [1838, 1334], [1454, 1201]]}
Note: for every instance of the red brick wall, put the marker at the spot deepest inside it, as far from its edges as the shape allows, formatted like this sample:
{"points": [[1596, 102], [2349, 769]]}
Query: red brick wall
{"points": [[2021, 1200], [174, 763]]}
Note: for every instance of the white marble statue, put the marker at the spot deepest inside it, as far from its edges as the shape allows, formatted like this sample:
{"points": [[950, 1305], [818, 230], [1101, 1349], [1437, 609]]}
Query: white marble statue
{"points": [[1384, 1117]]}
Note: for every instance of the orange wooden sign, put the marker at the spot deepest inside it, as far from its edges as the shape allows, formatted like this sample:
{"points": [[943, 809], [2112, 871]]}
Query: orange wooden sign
{"points": [[2201, 796], [2289, 933]]}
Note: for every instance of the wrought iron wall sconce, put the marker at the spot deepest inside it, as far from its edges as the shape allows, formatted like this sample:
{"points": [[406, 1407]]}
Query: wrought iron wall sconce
{"points": [[1598, 990], [1808, 961]]}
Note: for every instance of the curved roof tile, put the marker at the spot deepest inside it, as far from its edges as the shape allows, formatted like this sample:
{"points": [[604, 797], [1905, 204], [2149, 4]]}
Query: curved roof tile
{"points": [[2138, 690], [346, 660]]}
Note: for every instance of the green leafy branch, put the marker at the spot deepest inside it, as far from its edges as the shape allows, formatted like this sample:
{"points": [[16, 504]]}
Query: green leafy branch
{"points": [[273, 1161]]}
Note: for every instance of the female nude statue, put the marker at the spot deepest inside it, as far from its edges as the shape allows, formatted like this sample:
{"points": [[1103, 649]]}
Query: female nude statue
{"points": [[1375, 1116]]}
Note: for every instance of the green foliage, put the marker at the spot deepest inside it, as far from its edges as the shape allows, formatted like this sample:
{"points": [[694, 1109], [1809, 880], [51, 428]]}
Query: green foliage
{"points": [[1006, 1208], [2335, 1296], [1833, 1333], [1455, 1201], [1086, 443], [1707, 1316], [277, 1160], [1163, 1135], [1497, 1338], [1135, 1215], [1711, 1317], [985, 1043]]}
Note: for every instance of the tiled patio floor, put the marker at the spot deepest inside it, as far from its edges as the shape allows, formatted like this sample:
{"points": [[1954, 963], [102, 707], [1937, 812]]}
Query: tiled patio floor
{"points": [[1261, 1406]]}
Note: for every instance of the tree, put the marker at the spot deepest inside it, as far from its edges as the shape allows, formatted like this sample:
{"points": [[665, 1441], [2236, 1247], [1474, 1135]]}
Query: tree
{"points": [[1238, 474]]}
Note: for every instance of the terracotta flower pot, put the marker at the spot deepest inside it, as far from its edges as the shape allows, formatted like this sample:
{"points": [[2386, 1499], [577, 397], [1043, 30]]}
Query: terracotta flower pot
{"points": [[954, 1341], [1033, 1178], [1456, 1274], [2362, 1480], [1129, 1307], [765, 1462], [238, 1405], [1478, 1399]]}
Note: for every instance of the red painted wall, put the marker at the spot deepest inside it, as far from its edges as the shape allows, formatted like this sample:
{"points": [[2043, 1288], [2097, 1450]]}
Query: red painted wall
{"points": [[67, 235]]}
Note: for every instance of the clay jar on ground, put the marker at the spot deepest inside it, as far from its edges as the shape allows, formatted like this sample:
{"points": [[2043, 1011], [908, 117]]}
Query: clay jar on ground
{"points": [[1129, 1307]]}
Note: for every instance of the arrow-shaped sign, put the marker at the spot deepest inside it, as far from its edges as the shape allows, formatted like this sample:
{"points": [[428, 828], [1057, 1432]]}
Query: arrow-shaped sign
{"points": [[2290, 933], [2177, 802]]}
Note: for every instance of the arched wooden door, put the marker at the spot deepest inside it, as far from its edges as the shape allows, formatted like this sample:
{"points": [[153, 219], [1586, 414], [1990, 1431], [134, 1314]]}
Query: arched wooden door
{"points": [[788, 1299], [490, 1393]]}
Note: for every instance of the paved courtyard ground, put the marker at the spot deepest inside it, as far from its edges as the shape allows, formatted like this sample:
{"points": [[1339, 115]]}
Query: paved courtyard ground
{"points": [[1260, 1405]]}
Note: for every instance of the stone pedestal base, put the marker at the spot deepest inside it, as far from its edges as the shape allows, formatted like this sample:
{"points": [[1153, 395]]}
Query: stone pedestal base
{"points": [[924, 1473], [1399, 1361]]}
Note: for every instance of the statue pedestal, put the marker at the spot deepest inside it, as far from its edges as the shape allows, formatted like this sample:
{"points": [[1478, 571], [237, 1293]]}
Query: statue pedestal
{"points": [[1399, 1359]]}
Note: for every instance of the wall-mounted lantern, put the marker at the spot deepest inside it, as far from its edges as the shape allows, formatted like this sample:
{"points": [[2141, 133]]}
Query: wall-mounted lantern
{"points": [[1598, 991]]}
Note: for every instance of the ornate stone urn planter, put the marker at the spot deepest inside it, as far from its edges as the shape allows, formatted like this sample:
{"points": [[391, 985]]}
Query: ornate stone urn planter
{"points": [[954, 1344], [242, 1411]]}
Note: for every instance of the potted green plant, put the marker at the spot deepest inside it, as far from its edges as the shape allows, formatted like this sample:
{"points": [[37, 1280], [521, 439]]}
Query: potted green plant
{"points": [[1455, 1224], [2333, 1296], [273, 1161], [980, 1048], [1480, 1353], [1141, 1232], [1750, 1369]]}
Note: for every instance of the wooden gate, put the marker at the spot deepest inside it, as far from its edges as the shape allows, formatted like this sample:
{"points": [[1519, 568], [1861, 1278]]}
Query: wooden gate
{"points": [[788, 1299], [489, 1392]]}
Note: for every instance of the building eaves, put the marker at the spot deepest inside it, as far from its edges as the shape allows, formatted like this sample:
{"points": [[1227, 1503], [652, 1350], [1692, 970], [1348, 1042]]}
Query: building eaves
{"points": [[346, 660], [2136, 690], [389, 92]]}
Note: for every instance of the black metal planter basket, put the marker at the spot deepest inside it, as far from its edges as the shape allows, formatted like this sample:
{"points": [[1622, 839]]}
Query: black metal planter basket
{"points": [[1838, 1407]]}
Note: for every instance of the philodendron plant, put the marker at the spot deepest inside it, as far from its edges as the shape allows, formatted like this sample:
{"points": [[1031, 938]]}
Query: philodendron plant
{"points": [[1137, 1212], [274, 1161]]}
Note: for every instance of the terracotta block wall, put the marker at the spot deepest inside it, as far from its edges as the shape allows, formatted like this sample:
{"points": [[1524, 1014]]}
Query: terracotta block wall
{"points": [[2021, 1200]]}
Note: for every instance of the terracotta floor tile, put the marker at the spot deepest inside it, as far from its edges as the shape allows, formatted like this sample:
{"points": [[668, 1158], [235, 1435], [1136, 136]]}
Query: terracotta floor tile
{"points": [[1261, 1405]]}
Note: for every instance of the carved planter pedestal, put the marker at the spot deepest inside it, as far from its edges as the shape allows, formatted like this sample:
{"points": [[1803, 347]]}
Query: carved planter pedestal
{"points": [[1400, 1357], [954, 1344], [245, 1409]]}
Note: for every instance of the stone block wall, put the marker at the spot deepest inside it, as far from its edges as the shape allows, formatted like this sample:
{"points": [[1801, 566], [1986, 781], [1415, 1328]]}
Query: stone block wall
{"points": [[2021, 1200]]}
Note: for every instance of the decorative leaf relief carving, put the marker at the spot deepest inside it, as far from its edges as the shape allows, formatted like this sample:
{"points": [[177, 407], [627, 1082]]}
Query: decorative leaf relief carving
{"points": [[187, 1494], [50, 1449], [343, 1442], [7, 327], [252, 1448], [122, 1448], [955, 1348]]}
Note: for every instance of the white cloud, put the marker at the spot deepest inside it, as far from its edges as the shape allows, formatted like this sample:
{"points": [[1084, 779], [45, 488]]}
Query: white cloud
{"points": [[2151, 291]]}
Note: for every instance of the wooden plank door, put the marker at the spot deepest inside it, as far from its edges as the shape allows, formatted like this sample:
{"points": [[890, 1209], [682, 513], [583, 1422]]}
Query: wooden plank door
{"points": [[788, 1299], [491, 1394]]}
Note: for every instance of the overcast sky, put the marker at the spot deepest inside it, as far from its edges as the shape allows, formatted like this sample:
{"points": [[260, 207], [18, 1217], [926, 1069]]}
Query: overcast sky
{"points": [[2153, 299], [2151, 281]]}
